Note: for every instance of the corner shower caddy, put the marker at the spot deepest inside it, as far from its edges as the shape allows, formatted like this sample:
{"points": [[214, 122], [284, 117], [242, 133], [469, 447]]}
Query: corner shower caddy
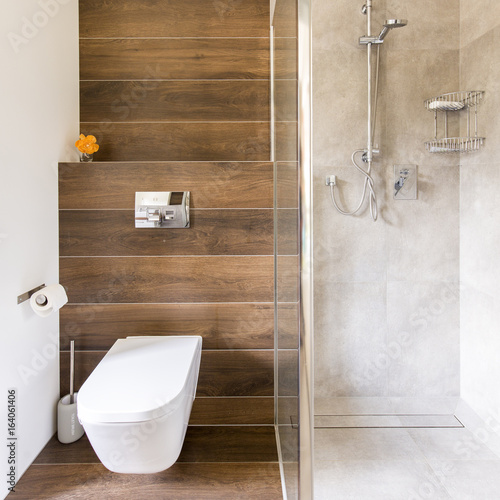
{"points": [[455, 101]]}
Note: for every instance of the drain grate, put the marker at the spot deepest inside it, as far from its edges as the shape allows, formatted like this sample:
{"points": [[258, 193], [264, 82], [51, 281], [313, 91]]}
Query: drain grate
{"points": [[390, 421]]}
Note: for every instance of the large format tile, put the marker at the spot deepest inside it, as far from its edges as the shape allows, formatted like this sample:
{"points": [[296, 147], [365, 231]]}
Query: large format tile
{"points": [[477, 17], [480, 71], [479, 345], [450, 444], [469, 479], [480, 233], [365, 444], [347, 249], [339, 128], [423, 345], [431, 24], [423, 234], [375, 480], [350, 332], [408, 123]]}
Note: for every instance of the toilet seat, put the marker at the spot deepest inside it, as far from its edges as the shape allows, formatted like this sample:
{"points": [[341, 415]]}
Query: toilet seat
{"points": [[139, 379]]}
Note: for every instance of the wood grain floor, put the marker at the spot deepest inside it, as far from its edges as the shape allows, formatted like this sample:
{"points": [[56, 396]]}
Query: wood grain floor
{"points": [[205, 481], [237, 462]]}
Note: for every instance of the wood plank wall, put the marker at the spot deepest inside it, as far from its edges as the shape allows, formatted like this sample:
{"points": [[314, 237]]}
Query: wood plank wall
{"points": [[177, 94]]}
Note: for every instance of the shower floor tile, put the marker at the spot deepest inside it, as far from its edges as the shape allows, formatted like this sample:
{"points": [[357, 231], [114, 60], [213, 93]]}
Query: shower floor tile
{"points": [[469, 479], [397, 463], [375, 480], [450, 444], [365, 444]]}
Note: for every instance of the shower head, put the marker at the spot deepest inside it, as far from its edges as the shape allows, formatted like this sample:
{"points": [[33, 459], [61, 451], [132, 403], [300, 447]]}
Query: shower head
{"points": [[395, 23], [391, 24]]}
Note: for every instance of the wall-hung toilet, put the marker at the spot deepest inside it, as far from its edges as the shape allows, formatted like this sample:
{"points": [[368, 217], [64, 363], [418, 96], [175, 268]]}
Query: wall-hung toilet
{"points": [[135, 405]]}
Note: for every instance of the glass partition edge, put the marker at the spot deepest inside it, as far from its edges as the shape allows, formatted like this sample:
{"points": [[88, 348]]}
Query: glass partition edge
{"points": [[306, 345]]}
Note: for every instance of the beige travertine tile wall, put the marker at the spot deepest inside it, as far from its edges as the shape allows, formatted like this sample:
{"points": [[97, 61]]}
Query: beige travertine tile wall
{"points": [[386, 293], [479, 217]]}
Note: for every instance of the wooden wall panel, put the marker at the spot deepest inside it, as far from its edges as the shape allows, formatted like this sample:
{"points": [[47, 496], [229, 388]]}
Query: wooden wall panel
{"points": [[181, 141], [167, 279], [212, 232], [286, 100], [177, 95], [222, 326], [287, 222], [104, 185], [236, 373], [230, 444], [222, 373], [286, 142], [287, 185], [236, 411], [288, 325], [202, 18], [288, 375], [174, 58], [285, 56], [85, 362], [194, 100], [285, 19], [288, 278]]}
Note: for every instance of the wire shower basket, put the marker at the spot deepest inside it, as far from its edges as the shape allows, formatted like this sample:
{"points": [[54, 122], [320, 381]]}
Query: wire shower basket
{"points": [[455, 101]]}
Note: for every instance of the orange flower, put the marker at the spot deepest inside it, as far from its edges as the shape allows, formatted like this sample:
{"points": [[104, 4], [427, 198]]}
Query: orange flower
{"points": [[87, 144]]}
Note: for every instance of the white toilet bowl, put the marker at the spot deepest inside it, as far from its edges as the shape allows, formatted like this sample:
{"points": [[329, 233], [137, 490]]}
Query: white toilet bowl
{"points": [[135, 405]]}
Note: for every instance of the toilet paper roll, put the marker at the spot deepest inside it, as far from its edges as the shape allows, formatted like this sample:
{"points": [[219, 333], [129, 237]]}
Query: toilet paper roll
{"points": [[48, 299]]}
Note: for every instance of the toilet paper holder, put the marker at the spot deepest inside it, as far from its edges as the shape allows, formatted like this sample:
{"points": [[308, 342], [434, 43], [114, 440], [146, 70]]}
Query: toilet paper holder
{"points": [[27, 295]]}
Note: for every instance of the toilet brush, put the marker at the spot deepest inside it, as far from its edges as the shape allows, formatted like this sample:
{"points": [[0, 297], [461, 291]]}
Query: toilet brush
{"points": [[69, 428], [71, 371]]}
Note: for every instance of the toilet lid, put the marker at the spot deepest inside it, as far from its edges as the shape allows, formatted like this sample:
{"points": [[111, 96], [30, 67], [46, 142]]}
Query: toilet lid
{"points": [[140, 378]]}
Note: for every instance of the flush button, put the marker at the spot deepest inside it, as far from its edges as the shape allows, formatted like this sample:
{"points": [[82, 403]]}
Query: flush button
{"points": [[162, 209]]}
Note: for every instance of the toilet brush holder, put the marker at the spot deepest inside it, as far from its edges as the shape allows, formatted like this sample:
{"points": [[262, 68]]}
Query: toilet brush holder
{"points": [[69, 428]]}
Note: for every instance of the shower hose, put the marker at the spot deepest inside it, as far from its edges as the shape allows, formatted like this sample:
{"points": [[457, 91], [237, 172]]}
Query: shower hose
{"points": [[368, 186], [368, 183]]}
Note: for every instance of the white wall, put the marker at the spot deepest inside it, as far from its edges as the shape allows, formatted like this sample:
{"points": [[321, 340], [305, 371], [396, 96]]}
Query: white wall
{"points": [[38, 127]]}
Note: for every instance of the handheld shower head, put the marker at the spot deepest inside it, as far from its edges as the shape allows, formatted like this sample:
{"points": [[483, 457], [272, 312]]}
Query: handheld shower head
{"points": [[391, 24], [395, 23]]}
